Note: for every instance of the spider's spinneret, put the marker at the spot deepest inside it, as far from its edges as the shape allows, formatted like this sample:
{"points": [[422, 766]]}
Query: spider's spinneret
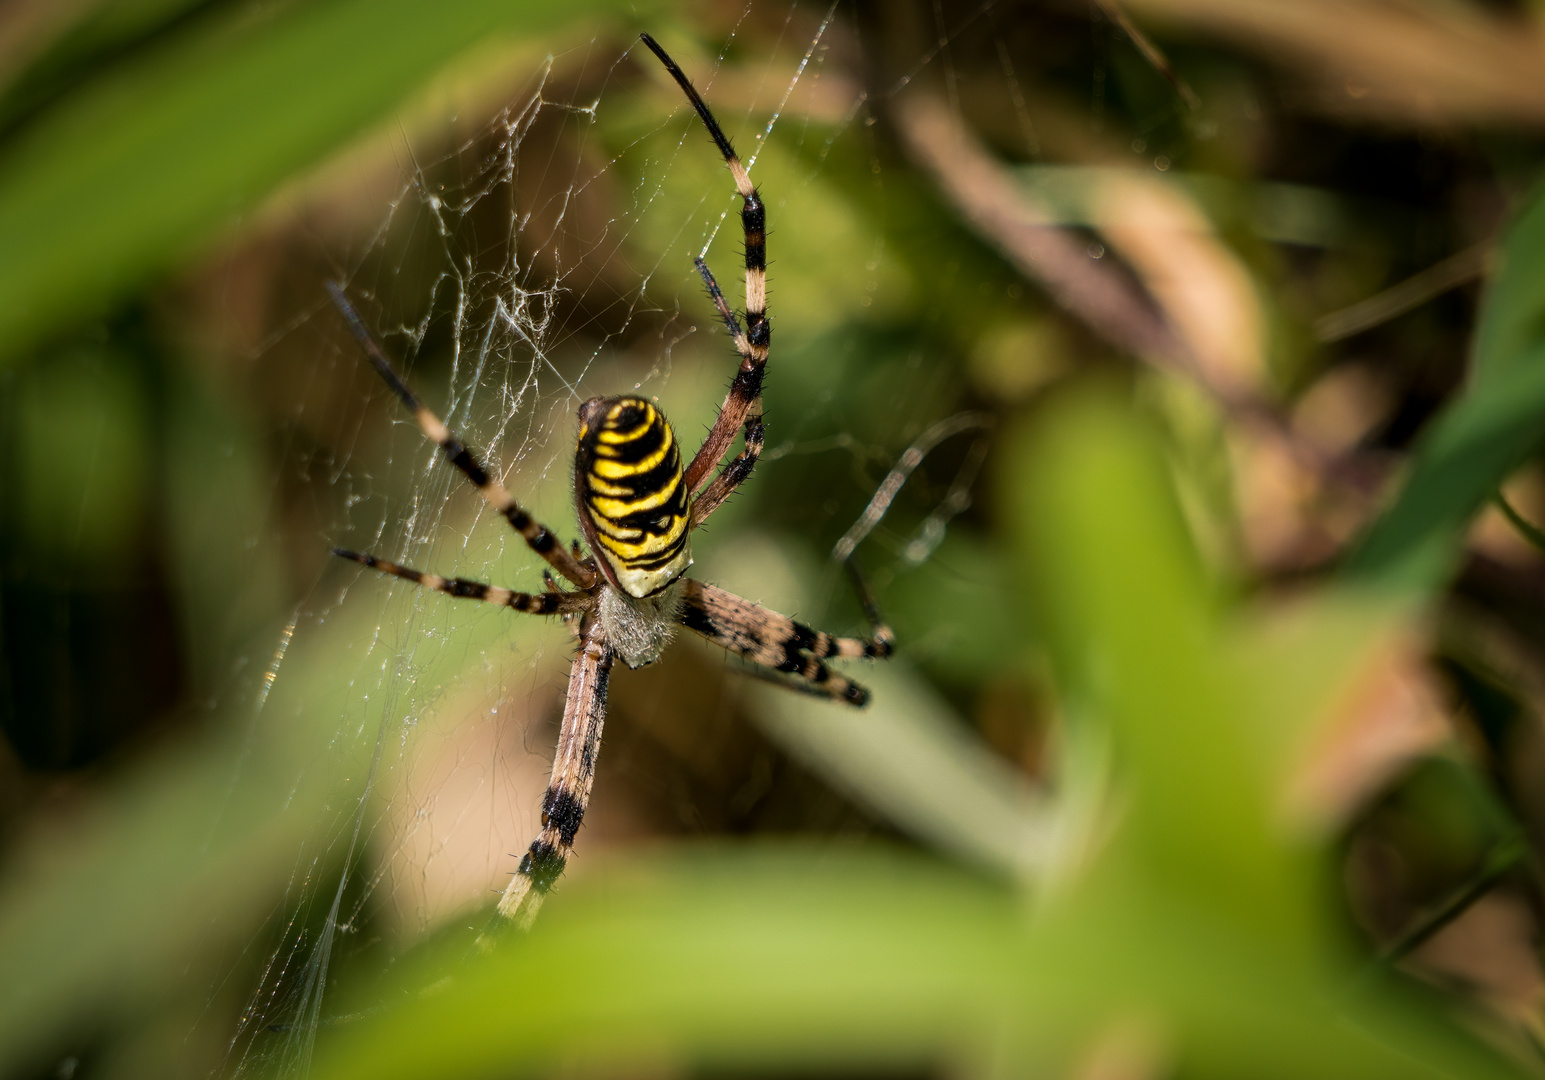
{"points": [[631, 499]]}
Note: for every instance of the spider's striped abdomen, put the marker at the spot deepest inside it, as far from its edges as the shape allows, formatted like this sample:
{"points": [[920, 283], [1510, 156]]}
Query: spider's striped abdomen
{"points": [[631, 499]]}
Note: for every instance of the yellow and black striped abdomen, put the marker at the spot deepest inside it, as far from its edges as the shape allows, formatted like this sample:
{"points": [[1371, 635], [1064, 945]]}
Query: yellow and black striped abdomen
{"points": [[631, 499]]}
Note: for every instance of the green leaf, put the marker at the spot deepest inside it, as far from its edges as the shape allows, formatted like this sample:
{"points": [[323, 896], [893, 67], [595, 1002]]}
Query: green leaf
{"points": [[94, 32], [908, 755], [781, 957], [133, 171], [838, 957], [1481, 437], [151, 885], [1135, 632]]}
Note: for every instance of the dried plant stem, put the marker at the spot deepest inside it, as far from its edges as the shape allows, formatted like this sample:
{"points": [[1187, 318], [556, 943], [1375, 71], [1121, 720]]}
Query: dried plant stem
{"points": [[1099, 293], [1407, 295], [1429, 922], [1528, 531], [1151, 52]]}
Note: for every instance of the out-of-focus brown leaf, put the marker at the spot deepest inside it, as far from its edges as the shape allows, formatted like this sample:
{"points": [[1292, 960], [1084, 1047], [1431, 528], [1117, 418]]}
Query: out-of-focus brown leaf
{"points": [[28, 27], [1133, 1048], [1197, 313], [1026, 232], [1493, 535], [1389, 714], [1278, 501], [1450, 273], [1490, 947], [1392, 59], [1290, 518], [1199, 317], [1343, 407], [1203, 288]]}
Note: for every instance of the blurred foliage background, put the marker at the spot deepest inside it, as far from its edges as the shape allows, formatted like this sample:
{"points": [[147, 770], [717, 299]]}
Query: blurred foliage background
{"points": [[1215, 741]]}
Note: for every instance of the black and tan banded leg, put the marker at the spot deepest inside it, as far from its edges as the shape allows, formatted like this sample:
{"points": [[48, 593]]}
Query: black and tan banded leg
{"points": [[881, 641], [778, 642], [742, 408], [536, 535], [547, 603], [568, 790]]}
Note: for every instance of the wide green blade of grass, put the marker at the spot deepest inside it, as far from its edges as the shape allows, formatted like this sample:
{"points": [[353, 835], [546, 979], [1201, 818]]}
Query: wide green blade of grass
{"points": [[130, 172], [1482, 436]]}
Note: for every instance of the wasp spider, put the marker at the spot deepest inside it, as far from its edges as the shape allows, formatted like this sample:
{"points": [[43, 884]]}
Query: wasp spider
{"points": [[637, 508]]}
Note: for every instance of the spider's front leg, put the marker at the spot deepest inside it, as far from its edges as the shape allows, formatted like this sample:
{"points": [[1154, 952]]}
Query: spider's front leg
{"points": [[536, 535], [552, 602], [742, 408], [568, 790]]}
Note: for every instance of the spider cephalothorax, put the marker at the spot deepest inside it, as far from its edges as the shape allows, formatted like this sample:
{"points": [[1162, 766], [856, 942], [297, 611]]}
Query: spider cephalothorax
{"points": [[637, 507]]}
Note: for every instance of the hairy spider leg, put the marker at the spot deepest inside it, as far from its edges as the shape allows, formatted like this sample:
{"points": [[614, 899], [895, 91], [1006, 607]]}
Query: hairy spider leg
{"points": [[776, 641], [881, 639], [742, 407], [568, 790], [547, 603], [536, 535]]}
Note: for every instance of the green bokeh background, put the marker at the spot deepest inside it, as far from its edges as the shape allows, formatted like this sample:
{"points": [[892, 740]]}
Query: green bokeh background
{"points": [[1058, 832]]}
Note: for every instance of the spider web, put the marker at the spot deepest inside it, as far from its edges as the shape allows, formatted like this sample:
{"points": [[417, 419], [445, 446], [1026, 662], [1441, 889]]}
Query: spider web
{"points": [[540, 257]]}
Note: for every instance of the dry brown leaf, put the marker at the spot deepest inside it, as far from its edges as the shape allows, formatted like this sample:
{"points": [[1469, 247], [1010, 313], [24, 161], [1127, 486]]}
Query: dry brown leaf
{"points": [[1389, 714], [1196, 315], [1204, 290], [28, 28], [1133, 1048], [1027, 233], [1392, 59], [1277, 498], [1493, 535], [1491, 947]]}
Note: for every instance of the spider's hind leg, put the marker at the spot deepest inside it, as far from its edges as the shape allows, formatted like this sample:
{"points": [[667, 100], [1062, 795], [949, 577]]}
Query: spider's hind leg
{"points": [[568, 790], [808, 675], [881, 641], [777, 642]]}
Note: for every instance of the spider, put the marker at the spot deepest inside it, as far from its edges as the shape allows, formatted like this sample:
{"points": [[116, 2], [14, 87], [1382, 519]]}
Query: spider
{"points": [[637, 508]]}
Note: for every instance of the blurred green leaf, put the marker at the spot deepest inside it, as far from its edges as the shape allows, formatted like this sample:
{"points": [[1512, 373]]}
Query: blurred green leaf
{"points": [[82, 460], [908, 756], [1481, 437], [183, 859], [783, 958], [110, 913], [1514, 317], [911, 758], [131, 172], [1203, 908], [839, 957], [1133, 629], [83, 33]]}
